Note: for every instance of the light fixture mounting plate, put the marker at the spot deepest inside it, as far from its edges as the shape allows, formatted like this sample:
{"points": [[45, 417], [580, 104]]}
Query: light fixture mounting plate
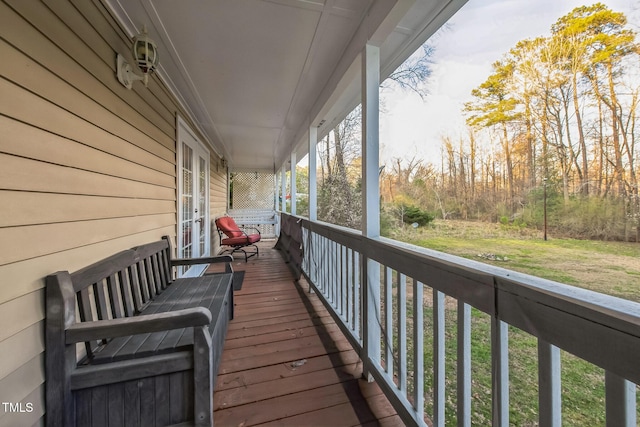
{"points": [[125, 73], [126, 76]]}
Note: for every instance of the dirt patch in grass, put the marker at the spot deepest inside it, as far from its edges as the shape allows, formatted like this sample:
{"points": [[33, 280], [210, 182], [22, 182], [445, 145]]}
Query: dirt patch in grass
{"points": [[606, 273]]}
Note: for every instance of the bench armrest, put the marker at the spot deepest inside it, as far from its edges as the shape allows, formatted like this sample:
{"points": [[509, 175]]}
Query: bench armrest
{"points": [[144, 323], [228, 259], [202, 260]]}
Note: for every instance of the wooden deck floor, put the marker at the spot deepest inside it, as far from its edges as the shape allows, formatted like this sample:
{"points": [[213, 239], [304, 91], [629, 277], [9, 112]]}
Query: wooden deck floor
{"points": [[286, 363]]}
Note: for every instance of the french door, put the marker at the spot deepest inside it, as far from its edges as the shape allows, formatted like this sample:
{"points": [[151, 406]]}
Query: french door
{"points": [[193, 199]]}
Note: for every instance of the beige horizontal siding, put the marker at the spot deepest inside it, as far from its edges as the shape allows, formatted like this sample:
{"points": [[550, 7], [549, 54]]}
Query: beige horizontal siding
{"points": [[18, 173], [87, 168], [39, 240], [19, 314], [27, 276], [41, 112], [19, 348], [105, 37], [45, 146], [25, 208], [58, 52], [218, 190], [21, 382], [218, 199]]}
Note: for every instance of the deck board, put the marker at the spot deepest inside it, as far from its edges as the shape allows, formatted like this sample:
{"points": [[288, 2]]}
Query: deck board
{"points": [[286, 362]]}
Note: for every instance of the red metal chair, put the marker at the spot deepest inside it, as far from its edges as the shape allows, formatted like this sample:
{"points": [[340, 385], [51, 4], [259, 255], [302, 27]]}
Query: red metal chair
{"points": [[236, 238]]}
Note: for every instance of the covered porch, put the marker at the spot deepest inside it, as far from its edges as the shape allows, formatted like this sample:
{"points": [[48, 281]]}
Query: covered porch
{"points": [[90, 167]]}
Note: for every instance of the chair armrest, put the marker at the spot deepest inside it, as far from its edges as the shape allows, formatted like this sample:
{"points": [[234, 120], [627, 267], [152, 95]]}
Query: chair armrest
{"points": [[144, 323], [249, 228]]}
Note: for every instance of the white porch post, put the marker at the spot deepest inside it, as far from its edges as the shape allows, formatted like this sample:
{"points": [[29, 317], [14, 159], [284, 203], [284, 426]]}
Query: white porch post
{"points": [[313, 166], [293, 183], [371, 199], [276, 188], [283, 186], [228, 187], [276, 203]]}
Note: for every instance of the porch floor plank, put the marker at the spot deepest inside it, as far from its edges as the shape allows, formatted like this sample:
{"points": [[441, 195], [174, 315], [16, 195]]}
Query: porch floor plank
{"points": [[286, 362]]}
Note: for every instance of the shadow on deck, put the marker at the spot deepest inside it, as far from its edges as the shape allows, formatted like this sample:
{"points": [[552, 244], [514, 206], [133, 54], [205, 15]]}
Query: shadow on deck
{"points": [[285, 361]]}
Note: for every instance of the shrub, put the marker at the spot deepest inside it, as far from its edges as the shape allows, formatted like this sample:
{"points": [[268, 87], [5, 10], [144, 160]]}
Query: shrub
{"points": [[413, 214]]}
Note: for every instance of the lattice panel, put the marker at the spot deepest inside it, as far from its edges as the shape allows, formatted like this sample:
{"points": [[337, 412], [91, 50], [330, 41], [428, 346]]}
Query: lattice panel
{"points": [[253, 190]]}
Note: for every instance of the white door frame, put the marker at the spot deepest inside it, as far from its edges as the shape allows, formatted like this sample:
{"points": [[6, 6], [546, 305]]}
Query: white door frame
{"points": [[191, 230]]}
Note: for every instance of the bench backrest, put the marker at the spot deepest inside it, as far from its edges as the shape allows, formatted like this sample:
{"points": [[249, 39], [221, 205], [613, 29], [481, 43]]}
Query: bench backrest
{"points": [[118, 286]]}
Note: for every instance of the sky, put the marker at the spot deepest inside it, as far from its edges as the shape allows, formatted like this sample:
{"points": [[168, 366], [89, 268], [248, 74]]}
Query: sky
{"points": [[478, 35]]}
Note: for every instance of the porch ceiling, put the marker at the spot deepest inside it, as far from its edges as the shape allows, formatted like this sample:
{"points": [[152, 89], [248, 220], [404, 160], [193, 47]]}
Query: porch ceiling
{"points": [[255, 74]]}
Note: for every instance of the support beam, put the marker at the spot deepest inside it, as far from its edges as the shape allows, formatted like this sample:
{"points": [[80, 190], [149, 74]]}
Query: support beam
{"points": [[283, 185], [313, 175], [228, 187], [371, 141], [276, 192], [276, 200], [292, 185], [370, 202]]}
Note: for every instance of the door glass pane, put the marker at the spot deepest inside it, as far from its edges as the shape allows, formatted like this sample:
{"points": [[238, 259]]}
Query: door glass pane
{"points": [[202, 204], [193, 200], [187, 200]]}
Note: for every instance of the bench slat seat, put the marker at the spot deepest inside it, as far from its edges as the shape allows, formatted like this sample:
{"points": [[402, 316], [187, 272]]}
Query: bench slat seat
{"points": [[208, 291]]}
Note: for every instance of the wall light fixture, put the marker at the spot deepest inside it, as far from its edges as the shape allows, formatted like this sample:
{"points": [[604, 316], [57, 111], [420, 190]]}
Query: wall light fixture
{"points": [[145, 55]]}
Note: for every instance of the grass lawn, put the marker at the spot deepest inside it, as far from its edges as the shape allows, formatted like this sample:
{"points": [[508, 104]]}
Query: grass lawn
{"points": [[609, 267]]}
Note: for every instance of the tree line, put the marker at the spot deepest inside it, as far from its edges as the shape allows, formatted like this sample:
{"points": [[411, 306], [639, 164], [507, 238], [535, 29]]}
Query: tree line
{"points": [[555, 124]]}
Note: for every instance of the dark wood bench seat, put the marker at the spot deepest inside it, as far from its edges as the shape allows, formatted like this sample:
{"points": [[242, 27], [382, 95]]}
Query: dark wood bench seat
{"points": [[208, 292], [127, 344]]}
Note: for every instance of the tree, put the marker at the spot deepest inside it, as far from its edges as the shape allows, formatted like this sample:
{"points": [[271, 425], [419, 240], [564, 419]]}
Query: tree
{"points": [[413, 74], [562, 108], [605, 44], [598, 42], [339, 200], [302, 190], [495, 107]]}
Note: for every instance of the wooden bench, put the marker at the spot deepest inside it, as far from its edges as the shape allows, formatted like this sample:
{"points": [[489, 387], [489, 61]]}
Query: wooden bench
{"points": [[127, 344]]}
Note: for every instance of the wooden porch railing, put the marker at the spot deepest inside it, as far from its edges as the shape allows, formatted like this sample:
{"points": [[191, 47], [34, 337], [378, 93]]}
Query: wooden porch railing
{"points": [[600, 329]]}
